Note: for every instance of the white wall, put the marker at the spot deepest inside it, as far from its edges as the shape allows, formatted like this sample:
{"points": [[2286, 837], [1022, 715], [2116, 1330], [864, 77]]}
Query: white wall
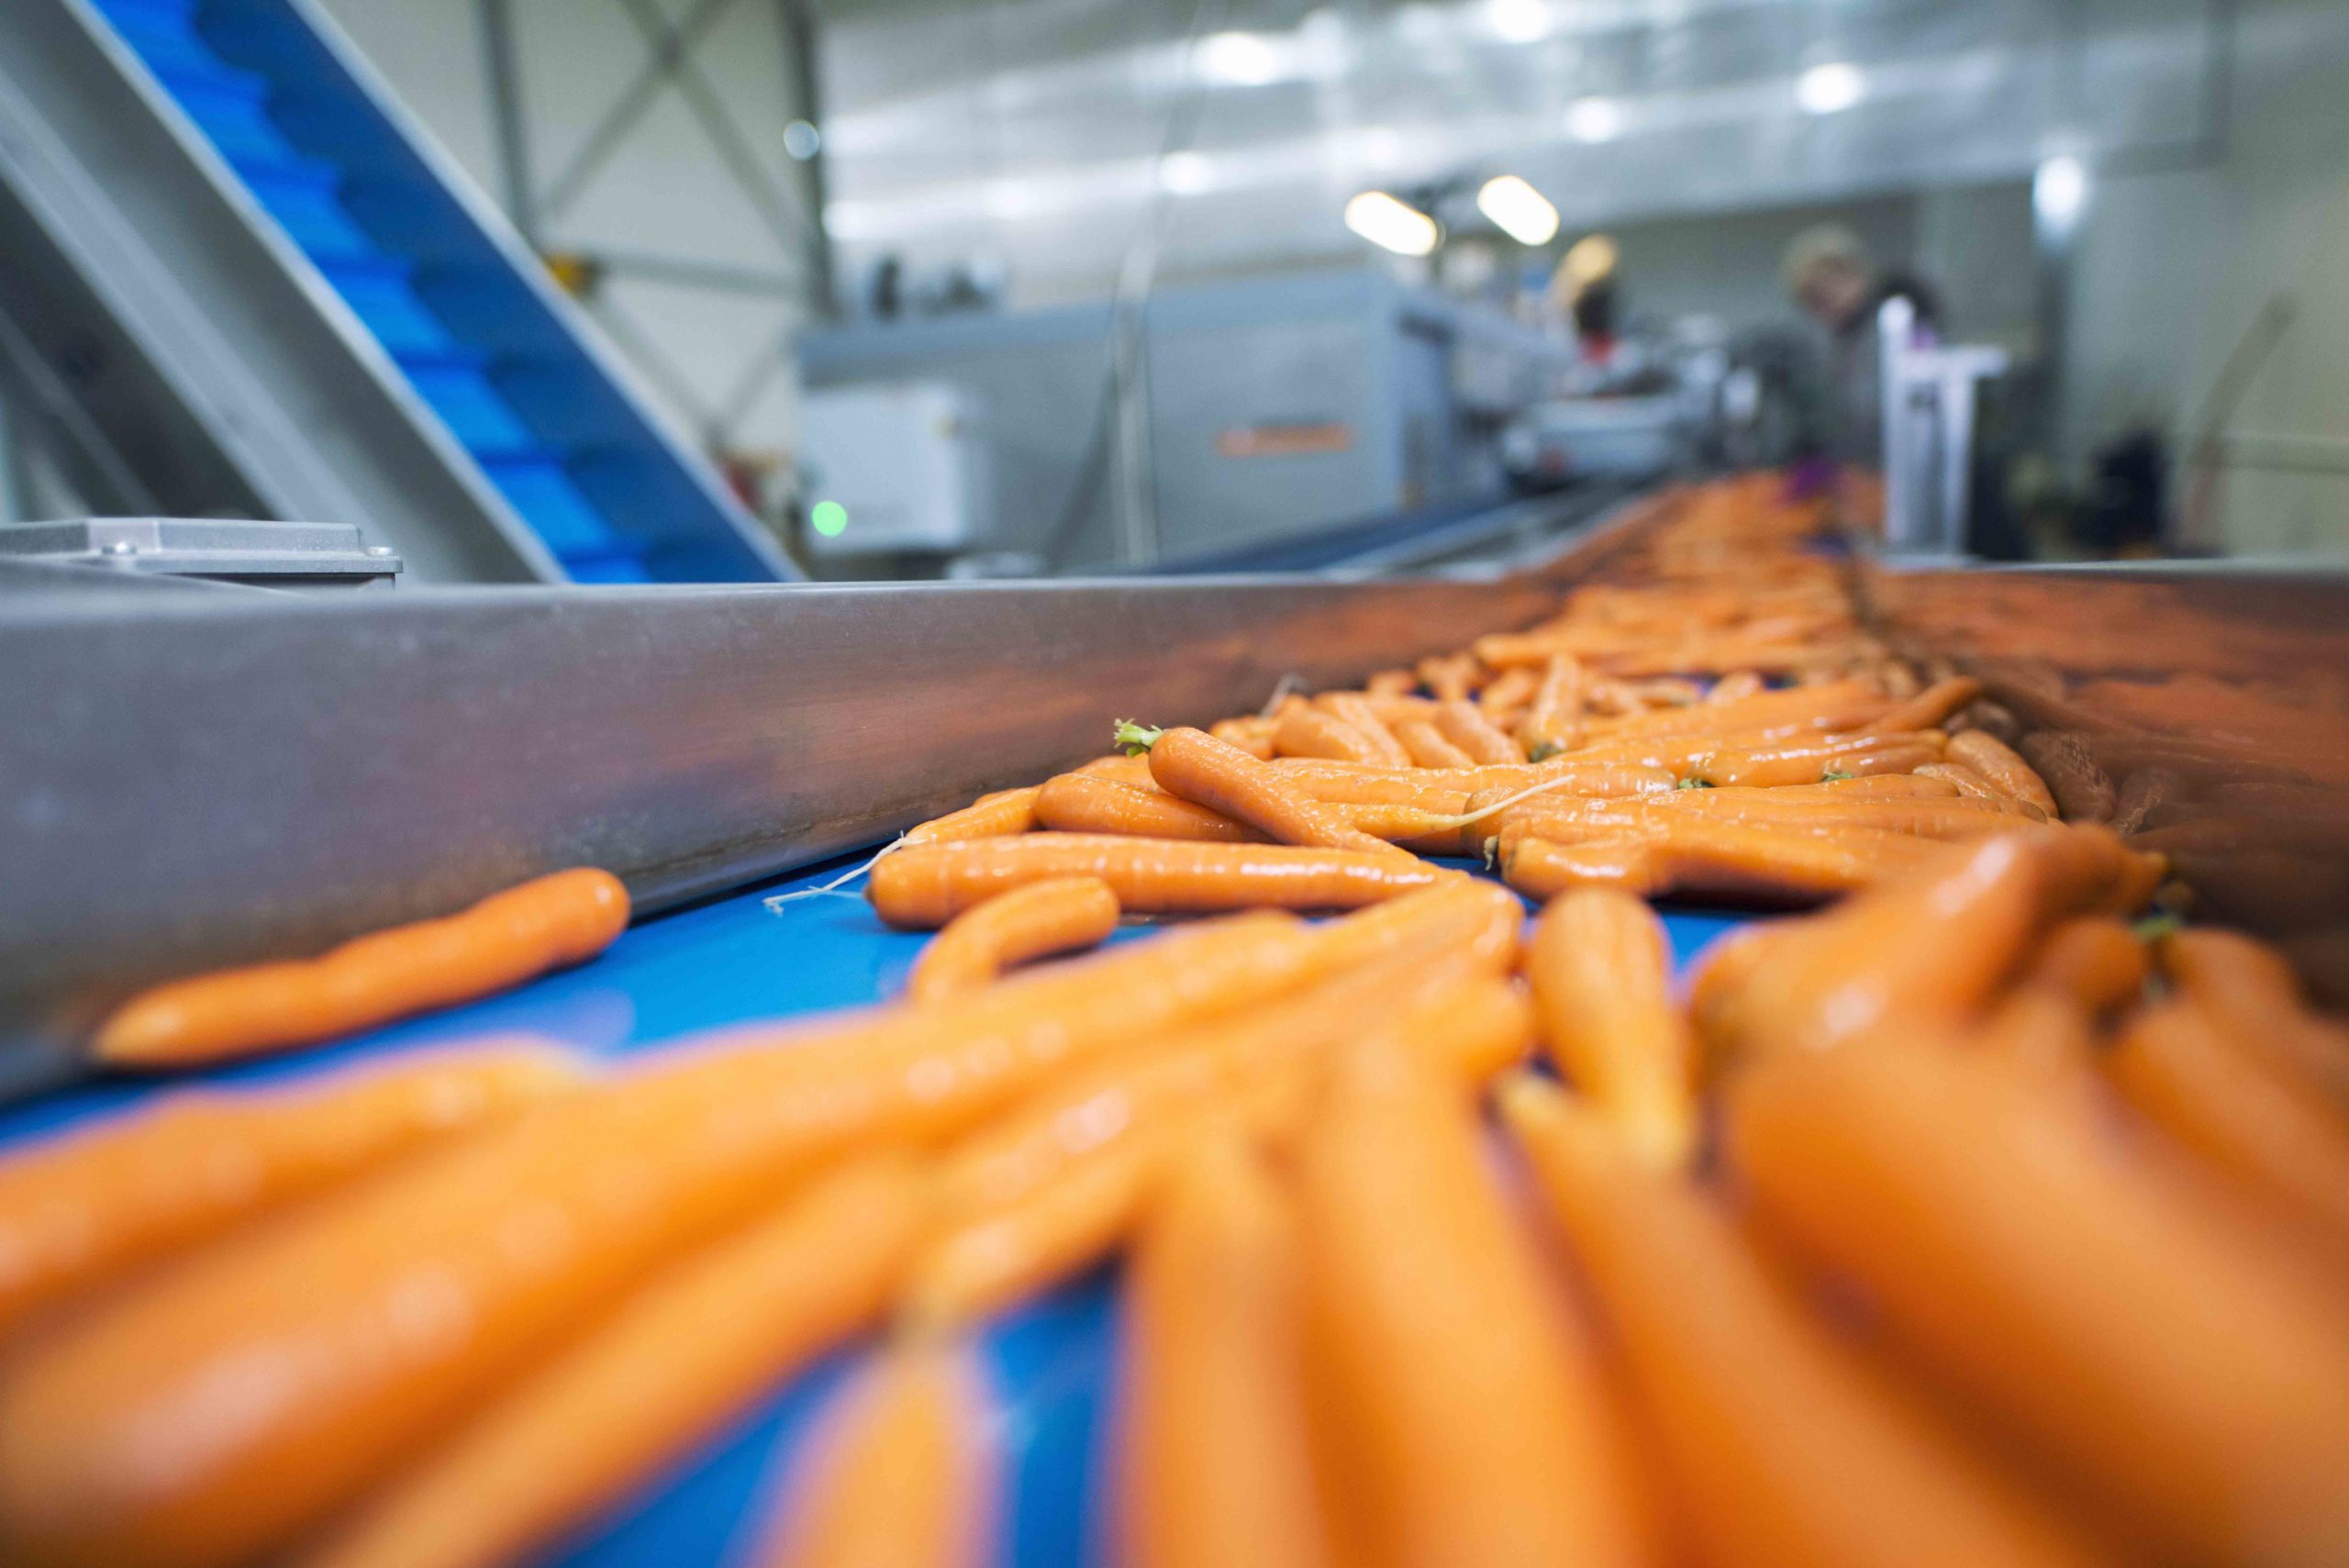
{"points": [[2171, 269]]}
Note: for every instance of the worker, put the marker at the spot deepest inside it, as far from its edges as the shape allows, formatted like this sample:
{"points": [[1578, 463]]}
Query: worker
{"points": [[1829, 275]]}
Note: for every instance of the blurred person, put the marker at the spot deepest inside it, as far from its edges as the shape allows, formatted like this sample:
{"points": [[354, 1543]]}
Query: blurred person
{"points": [[1829, 275]]}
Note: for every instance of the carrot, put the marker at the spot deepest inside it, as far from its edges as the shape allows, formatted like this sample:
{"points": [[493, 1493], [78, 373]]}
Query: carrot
{"points": [[1310, 732], [1601, 972], [1781, 1445], [2254, 994], [2043, 1032], [924, 888], [2095, 960], [1030, 922], [1465, 725], [1811, 758], [1932, 945], [469, 1262], [1356, 712], [1450, 678], [1397, 683], [1006, 812], [1196, 767], [501, 941], [1998, 762], [1431, 788], [1254, 736], [1507, 692], [1695, 857], [1974, 785], [1929, 708], [1073, 803], [1429, 745], [2278, 1136], [1735, 686], [1837, 704], [1499, 1450], [86, 1207], [1122, 769], [672, 1364], [1553, 722], [1213, 1455], [2132, 1345], [1919, 818], [899, 1473]]}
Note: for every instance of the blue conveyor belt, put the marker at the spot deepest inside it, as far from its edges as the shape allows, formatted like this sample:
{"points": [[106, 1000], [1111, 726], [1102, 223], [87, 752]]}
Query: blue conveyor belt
{"points": [[730, 961]]}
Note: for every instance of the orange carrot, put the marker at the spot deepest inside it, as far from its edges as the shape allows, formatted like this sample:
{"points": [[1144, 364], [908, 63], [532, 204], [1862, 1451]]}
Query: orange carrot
{"points": [[1735, 686], [669, 1366], [1987, 754], [1553, 722], [2043, 1032], [1214, 1456], [1699, 857], [1429, 745], [1783, 1446], [1432, 787], [501, 941], [1601, 971], [2277, 1137], [924, 888], [1929, 708], [899, 1473], [1254, 736], [1465, 725], [1976, 785], [2095, 960], [1073, 803], [1450, 678], [1919, 818], [1781, 715], [1030, 922], [1005, 812], [1124, 770], [1809, 759], [1397, 683], [89, 1205], [1497, 1449], [472, 1260], [1356, 711], [1198, 767], [1507, 692], [2132, 1343], [2254, 994], [1310, 732]]}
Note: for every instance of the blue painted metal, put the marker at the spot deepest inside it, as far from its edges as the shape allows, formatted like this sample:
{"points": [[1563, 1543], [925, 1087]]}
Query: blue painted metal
{"points": [[730, 961], [573, 451]]}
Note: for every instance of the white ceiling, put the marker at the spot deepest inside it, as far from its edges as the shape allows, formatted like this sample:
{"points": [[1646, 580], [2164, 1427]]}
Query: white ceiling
{"points": [[1029, 131]]}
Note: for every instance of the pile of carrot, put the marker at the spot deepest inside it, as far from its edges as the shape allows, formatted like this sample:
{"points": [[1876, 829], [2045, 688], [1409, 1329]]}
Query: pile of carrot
{"points": [[1972, 1219]]}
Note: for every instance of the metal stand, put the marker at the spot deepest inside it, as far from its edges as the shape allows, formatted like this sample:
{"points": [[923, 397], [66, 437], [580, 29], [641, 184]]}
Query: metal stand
{"points": [[1928, 434]]}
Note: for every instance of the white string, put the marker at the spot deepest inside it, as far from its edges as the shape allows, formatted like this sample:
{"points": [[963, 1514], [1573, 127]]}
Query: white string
{"points": [[1282, 690], [775, 903]]}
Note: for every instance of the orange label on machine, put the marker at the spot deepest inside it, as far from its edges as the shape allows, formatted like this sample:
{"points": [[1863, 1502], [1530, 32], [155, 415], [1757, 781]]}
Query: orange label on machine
{"points": [[1284, 441]]}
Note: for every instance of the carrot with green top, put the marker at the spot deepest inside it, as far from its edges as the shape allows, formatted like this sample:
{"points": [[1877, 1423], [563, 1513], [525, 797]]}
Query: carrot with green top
{"points": [[1073, 803], [1601, 972], [488, 1253], [503, 941], [1783, 1445], [1214, 1454], [900, 1473], [92, 1203], [977, 946], [667, 1368], [1198, 767]]}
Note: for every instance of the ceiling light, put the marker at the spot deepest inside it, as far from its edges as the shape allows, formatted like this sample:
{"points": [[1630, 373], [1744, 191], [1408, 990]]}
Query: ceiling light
{"points": [[1391, 223], [1184, 174], [1238, 59], [1524, 213], [1829, 89], [1518, 21], [1593, 120], [2059, 191]]}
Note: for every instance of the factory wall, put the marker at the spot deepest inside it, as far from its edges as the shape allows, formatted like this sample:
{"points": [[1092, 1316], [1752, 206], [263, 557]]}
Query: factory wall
{"points": [[2175, 266]]}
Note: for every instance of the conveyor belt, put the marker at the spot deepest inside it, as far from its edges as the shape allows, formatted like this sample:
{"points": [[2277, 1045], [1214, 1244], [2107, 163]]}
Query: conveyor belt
{"points": [[734, 961]]}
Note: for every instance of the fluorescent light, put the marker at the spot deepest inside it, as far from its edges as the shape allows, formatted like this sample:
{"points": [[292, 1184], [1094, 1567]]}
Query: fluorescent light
{"points": [[1593, 120], [1238, 59], [1391, 223], [1829, 89], [2059, 191], [1184, 174], [1524, 213], [1518, 21]]}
